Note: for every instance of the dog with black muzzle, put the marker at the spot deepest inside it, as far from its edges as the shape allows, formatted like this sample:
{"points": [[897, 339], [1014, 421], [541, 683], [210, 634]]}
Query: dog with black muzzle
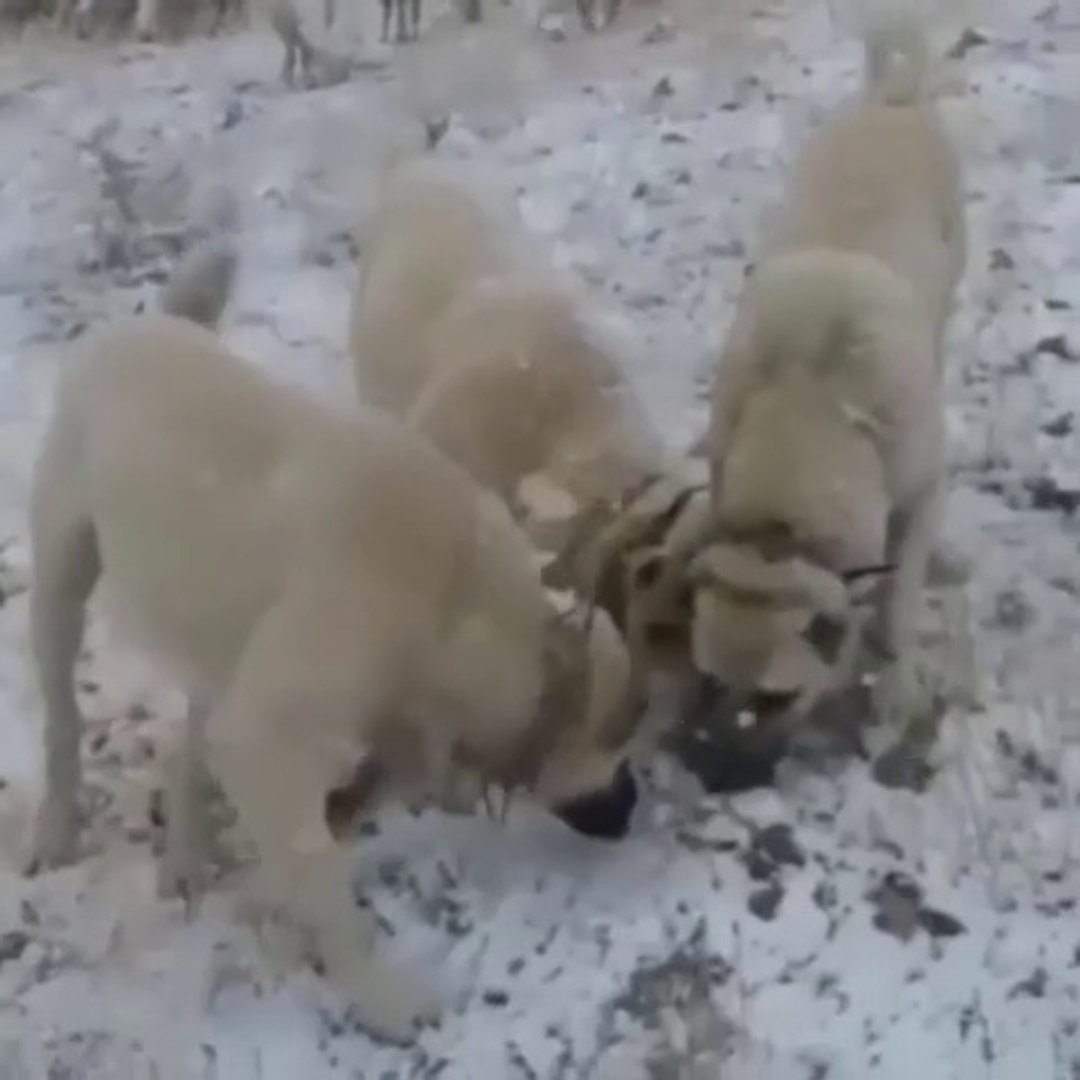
{"points": [[461, 326], [350, 614], [827, 424]]}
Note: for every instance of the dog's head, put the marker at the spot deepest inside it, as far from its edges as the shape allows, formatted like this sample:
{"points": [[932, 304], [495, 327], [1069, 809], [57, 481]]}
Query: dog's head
{"points": [[774, 631], [587, 724], [631, 560]]}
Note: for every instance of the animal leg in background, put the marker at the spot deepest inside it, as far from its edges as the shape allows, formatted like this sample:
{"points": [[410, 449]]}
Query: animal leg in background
{"points": [[286, 23]]}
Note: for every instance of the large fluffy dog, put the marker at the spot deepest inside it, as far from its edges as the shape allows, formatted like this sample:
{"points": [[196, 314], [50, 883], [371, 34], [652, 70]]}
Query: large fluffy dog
{"points": [[827, 424], [461, 326], [348, 611]]}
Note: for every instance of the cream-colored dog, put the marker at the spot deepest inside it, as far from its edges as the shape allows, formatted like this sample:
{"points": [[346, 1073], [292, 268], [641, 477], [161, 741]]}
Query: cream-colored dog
{"points": [[827, 424], [348, 611], [461, 326]]}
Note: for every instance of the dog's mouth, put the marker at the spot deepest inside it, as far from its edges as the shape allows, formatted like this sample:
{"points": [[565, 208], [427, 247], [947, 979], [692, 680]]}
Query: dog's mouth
{"points": [[733, 742], [763, 706], [604, 814]]}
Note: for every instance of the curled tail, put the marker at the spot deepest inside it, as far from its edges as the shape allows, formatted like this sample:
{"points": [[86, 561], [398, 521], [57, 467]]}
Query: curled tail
{"points": [[201, 284], [897, 58]]}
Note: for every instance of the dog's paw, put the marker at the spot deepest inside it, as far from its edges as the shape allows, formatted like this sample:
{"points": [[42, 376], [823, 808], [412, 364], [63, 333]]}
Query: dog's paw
{"points": [[896, 700], [55, 841], [387, 1004], [182, 878], [948, 566]]}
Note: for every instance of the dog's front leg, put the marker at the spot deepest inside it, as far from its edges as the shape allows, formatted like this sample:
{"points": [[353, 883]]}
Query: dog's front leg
{"points": [[915, 531], [307, 875], [182, 871], [286, 734]]}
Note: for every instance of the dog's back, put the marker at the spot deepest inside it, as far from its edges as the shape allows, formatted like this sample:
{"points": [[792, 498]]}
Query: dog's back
{"points": [[526, 385], [828, 387], [206, 484], [881, 177], [463, 325], [430, 239]]}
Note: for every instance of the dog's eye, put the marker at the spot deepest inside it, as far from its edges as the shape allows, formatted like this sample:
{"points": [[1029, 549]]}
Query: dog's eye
{"points": [[825, 635], [648, 573]]}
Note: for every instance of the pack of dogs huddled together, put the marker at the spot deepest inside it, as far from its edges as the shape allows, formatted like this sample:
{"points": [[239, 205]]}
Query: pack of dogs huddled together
{"points": [[477, 579]]}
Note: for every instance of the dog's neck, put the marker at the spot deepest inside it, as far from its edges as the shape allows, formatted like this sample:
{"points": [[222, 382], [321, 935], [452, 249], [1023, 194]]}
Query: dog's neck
{"points": [[517, 764], [777, 542]]}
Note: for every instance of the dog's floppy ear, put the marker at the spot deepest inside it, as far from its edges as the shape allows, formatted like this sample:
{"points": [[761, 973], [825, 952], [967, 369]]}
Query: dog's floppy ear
{"points": [[742, 570], [659, 603], [567, 671]]}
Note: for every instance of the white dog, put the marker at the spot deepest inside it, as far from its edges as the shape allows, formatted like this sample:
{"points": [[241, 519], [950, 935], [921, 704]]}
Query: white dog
{"points": [[827, 423], [348, 611], [461, 326]]}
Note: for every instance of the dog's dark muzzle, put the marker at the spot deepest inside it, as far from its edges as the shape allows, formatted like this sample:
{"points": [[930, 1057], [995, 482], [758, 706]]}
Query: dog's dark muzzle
{"points": [[713, 742], [604, 814]]}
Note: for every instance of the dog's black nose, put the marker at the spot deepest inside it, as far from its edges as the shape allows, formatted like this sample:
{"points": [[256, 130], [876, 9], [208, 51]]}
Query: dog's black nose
{"points": [[713, 743], [604, 814]]}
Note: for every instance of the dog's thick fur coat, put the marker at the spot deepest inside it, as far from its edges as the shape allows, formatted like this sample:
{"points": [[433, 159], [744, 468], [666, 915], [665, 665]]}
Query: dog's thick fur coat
{"points": [[827, 422], [333, 594], [462, 326]]}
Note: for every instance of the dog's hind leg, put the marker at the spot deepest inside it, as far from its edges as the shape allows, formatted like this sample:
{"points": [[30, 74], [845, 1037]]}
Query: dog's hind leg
{"points": [[914, 535], [66, 566], [182, 871]]}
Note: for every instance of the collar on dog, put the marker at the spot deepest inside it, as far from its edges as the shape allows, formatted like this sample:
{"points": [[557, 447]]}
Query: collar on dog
{"points": [[778, 543]]}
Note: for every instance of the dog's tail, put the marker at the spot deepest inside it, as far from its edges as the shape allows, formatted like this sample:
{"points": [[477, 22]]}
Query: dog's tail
{"points": [[897, 52], [202, 282]]}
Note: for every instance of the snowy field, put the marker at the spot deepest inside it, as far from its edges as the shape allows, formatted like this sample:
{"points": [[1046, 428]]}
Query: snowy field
{"points": [[833, 928]]}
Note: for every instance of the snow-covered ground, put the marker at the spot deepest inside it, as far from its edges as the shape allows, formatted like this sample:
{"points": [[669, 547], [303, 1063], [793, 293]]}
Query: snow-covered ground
{"points": [[831, 928]]}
